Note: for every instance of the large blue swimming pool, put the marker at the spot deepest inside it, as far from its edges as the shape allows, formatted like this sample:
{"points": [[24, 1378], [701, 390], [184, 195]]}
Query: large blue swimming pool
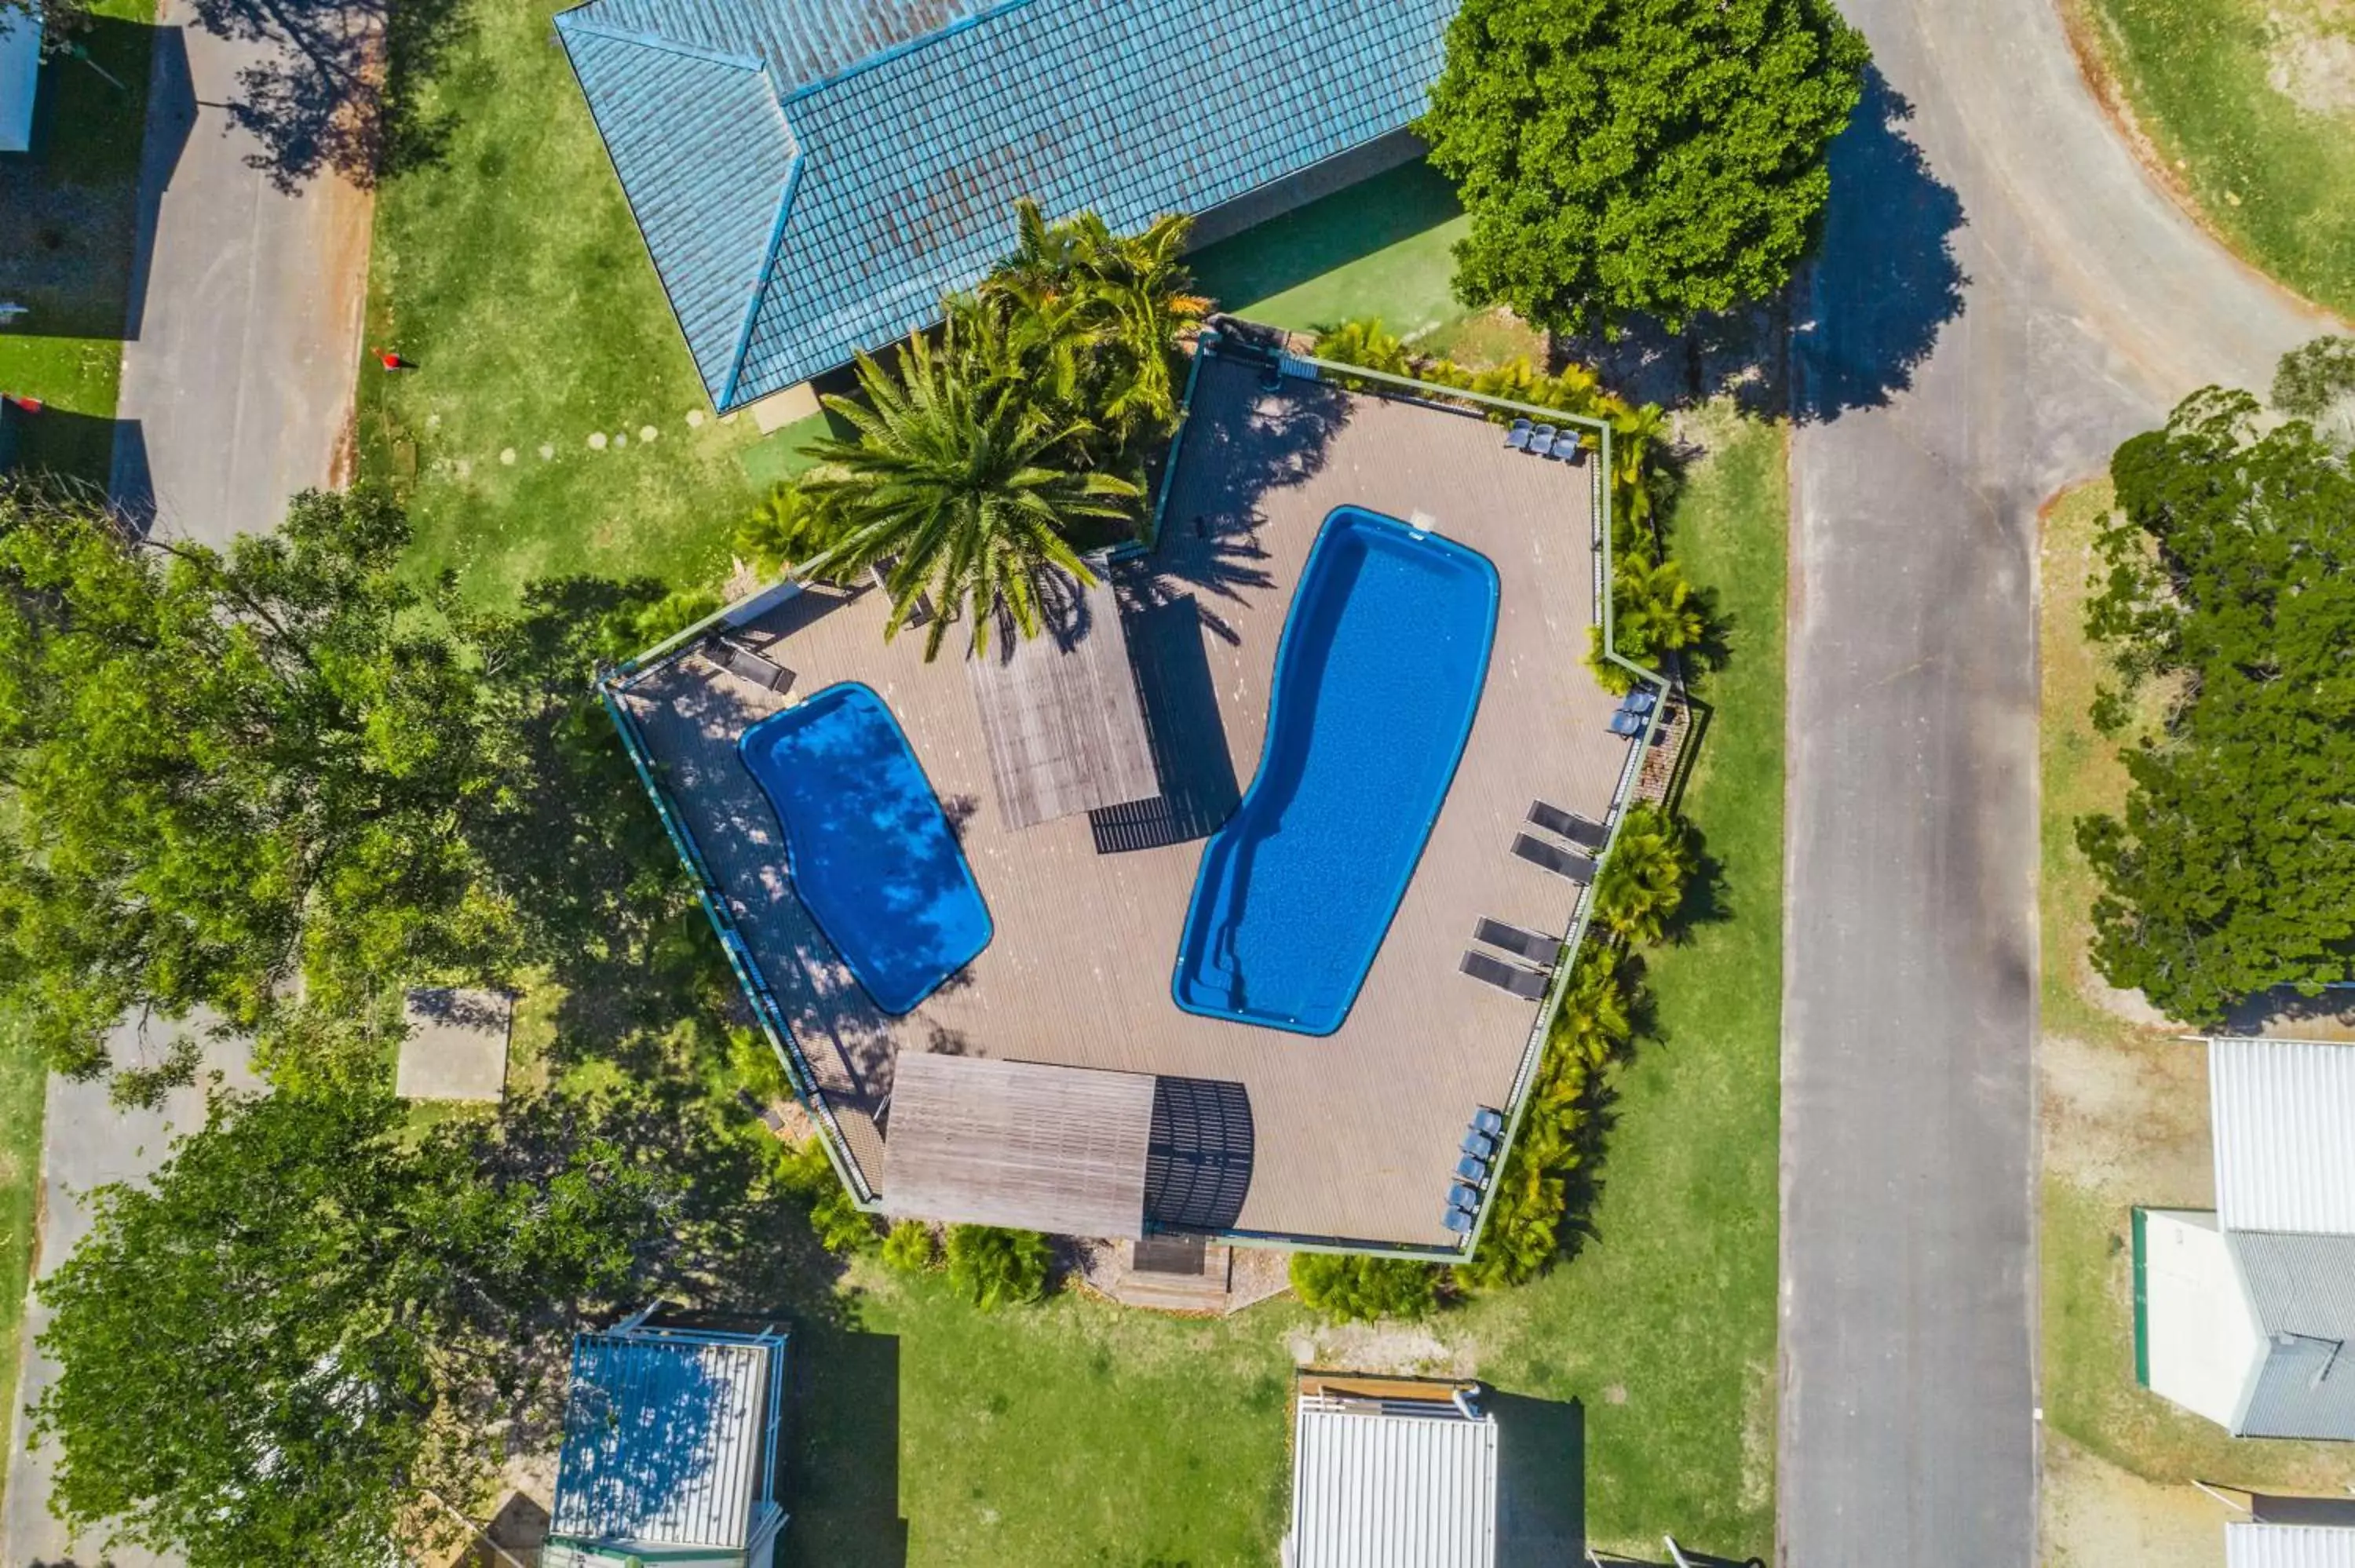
{"points": [[869, 851], [1378, 674]]}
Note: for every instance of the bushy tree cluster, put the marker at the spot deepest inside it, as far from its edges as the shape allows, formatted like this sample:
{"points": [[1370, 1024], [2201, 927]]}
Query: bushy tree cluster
{"points": [[1656, 156], [2229, 582], [994, 1267], [310, 1316], [1350, 1288]]}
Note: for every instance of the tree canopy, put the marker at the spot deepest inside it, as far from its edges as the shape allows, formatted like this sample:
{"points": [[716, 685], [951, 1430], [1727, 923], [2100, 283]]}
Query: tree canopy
{"points": [[2227, 603], [1656, 156], [308, 1318]]}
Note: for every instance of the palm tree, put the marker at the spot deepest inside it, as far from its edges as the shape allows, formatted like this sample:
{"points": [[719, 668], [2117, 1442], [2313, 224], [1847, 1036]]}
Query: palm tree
{"points": [[1657, 612], [959, 480], [1643, 883]]}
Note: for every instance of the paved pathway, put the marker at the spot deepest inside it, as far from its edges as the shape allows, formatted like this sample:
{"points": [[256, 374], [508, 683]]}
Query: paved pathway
{"points": [[89, 1143], [2005, 296], [237, 377]]}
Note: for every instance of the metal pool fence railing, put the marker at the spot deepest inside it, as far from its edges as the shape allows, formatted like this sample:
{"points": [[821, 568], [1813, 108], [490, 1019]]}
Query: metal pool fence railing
{"points": [[749, 977], [1460, 400]]}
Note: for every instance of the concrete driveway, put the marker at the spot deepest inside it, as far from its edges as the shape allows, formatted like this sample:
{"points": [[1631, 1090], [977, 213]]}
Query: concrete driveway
{"points": [[246, 314], [89, 1143], [2004, 297]]}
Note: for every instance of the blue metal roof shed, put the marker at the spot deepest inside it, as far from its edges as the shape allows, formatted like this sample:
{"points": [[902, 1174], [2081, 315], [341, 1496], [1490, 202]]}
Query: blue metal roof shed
{"points": [[812, 176], [670, 1450]]}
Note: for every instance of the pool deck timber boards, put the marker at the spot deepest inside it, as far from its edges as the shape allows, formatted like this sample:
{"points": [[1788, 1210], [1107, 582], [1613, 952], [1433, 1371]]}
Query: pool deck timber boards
{"points": [[1354, 1134]]}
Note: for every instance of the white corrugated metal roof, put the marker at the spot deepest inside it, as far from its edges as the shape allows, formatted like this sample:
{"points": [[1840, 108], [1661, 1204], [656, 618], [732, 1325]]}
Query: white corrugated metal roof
{"points": [[2287, 1546], [2283, 1113], [664, 1435], [1375, 1488]]}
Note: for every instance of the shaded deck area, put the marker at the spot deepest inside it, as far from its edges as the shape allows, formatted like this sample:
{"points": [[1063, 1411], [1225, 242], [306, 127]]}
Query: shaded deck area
{"points": [[1351, 1135]]}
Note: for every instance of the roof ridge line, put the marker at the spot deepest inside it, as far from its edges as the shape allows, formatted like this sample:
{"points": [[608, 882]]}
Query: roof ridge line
{"points": [[657, 41], [743, 349], [906, 46]]}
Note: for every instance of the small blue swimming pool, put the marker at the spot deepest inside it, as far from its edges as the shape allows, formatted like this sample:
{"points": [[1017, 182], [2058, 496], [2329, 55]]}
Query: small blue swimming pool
{"points": [[1385, 650], [869, 849]]}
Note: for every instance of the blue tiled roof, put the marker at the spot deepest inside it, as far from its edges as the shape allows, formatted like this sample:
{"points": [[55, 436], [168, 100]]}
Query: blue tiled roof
{"points": [[866, 154]]}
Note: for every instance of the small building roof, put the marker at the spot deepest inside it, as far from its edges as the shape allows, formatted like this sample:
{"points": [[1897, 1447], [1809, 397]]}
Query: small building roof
{"points": [[669, 1439], [2248, 1545], [1059, 711], [812, 176], [1383, 1478], [20, 76], [974, 1141], [2284, 1116], [2197, 1341]]}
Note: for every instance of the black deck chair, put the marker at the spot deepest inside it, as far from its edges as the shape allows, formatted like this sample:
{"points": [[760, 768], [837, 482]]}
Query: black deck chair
{"points": [[1519, 941], [1554, 858], [746, 665], [1568, 825], [1528, 984]]}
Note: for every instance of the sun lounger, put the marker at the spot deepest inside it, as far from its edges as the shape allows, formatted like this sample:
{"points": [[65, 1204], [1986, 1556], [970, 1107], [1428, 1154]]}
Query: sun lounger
{"points": [[1519, 941], [1554, 858], [1526, 983], [1459, 1220], [1472, 1168], [1568, 825], [746, 665], [1465, 1197], [1570, 447], [1488, 1121], [1541, 440], [1517, 438], [1626, 724], [1640, 701], [1479, 1143]]}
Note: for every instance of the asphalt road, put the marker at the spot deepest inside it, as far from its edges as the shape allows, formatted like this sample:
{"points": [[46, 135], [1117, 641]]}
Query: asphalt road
{"points": [[2005, 295], [238, 369]]}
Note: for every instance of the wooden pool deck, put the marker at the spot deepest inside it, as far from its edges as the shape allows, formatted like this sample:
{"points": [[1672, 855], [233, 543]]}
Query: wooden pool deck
{"points": [[1353, 1136]]}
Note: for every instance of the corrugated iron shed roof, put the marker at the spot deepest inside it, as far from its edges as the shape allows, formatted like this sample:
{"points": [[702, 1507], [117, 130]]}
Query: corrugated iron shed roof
{"points": [[1040, 1147], [1392, 1484], [666, 1439], [2284, 1116], [2250, 1546], [910, 126]]}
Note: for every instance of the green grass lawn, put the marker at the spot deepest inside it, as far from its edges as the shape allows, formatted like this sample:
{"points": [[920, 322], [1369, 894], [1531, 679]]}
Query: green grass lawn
{"points": [[69, 216], [511, 273], [24, 1084], [2251, 103]]}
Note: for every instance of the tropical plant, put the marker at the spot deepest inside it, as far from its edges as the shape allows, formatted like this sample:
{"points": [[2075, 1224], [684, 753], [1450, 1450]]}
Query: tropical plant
{"points": [[1660, 156], [909, 1247], [2225, 599], [786, 527], [840, 1225], [1642, 881], [961, 484], [1656, 611], [992, 1268], [1364, 342], [315, 1315], [1348, 1289], [634, 628]]}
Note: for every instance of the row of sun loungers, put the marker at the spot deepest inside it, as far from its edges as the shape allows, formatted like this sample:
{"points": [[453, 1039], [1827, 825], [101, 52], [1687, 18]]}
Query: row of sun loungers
{"points": [[1529, 978], [1481, 1146], [1545, 441], [1635, 712]]}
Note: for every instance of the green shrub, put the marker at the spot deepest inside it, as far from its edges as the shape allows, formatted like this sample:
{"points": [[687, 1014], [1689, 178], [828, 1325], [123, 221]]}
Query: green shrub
{"points": [[786, 527], [1349, 1289], [992, 1268], [1643, 882], [1364, 342], [909, 1246], [2314, 377], [842, 1228], [631, 631]]}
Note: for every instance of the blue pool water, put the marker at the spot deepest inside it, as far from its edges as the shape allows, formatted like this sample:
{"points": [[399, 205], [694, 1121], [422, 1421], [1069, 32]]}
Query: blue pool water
{"points": [[1384, 652], [869, 849]]}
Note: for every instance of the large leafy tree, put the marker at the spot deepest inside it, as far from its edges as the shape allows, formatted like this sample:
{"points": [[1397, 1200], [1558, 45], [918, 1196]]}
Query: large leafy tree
{"points": [[2228, 604], [961, 480], [312, 1330], [1654, 157], [231, 771]]}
